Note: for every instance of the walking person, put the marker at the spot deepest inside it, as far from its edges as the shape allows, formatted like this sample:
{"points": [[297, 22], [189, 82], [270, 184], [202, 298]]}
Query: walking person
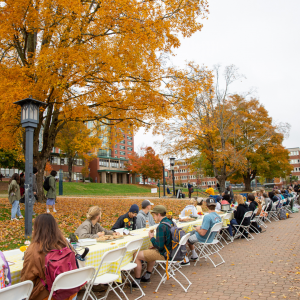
{"points": [[51, 193], [14, 197], [191, 190]]}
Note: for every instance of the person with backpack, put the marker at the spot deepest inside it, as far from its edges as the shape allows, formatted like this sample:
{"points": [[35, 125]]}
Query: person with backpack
{"points": [[50, 187], [162, 245], [201, 233], [191, 189], [42, 261], [14, 197]]}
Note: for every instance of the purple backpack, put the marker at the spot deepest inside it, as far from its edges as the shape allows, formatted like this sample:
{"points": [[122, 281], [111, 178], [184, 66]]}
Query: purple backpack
{"points": [[6, 269]]}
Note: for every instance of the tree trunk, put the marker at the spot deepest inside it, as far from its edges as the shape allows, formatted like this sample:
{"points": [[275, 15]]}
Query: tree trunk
{"points": [[70, 168], [248, 177], [222, 181], [247, 181], [40, 164]]}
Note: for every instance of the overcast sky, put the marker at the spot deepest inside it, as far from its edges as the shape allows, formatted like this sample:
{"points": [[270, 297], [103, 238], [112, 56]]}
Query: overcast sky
{"points": [[260, 37]]}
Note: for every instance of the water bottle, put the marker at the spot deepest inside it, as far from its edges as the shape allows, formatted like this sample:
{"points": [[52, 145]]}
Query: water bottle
{"points": [[147, 223]]}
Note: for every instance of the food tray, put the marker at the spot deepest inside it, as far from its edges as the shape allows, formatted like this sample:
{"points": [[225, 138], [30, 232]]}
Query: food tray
{"points": [[110, 241]]}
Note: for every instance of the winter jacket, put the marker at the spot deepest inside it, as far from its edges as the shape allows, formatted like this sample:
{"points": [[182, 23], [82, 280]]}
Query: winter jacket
{"points": [[141, 219], [34, 270], [268, 203], [89, 231], [51, 194], [120, 222], [239, 214], [13, 192], [253, 205]]}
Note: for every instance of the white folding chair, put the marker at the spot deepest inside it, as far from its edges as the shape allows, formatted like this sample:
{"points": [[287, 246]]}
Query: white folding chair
{"points": [[17, 291], [207, 249], [71, 279], [132, 246], [241, 229], [254, 220], [273, 212], [224, 230], [260, 219], [109, 278], [173, 267]]}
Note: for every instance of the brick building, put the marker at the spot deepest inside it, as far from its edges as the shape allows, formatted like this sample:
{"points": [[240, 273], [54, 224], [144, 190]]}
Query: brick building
{"points": [[183, 175], [295, 161], [109, 166]]}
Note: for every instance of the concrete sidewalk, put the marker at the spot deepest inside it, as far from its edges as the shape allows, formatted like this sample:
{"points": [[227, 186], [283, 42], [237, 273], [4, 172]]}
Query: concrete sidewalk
{"points": [[266, 268]]}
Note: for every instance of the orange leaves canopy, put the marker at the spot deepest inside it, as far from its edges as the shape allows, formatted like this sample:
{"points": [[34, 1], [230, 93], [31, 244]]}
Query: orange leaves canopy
{"points": [[148, 165], [92, 60]]}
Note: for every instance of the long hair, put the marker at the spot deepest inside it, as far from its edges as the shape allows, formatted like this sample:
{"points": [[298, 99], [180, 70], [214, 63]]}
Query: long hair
{"points": [[15, 177], [240, 199], [47, 234]]}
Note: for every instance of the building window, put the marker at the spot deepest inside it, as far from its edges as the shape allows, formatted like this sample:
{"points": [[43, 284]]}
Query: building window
{"points": [[129, 148], [116, 151], [122, 142], [122, 152], [129, 137], [122, 147], [114, 164], [129, 153], [103, 162], [129, 143]]}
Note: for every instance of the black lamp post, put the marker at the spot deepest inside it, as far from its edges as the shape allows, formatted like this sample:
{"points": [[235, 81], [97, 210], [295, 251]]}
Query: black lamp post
{"points": [[29, 120], [172, 164]]}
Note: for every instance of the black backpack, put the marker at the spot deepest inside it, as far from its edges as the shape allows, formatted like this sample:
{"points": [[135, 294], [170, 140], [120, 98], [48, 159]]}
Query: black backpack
{"points": [[47, 184]]}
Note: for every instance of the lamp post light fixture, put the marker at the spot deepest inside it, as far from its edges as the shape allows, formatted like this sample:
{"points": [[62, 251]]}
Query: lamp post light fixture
{"points": [[29, 120], [172, 164]]}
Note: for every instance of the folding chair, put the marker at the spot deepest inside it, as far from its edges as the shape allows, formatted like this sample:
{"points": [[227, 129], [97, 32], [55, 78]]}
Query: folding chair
{"points": [[241, 229], [288, 207], [17, 291], [109, 278], [206, 249], [173, 267], [224, 230], [259, 218], [125, 270], [253, 220], [71, 279], [273, 213]]}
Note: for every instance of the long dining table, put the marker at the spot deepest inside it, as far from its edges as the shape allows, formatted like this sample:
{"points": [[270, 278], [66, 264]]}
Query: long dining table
{"points": [[97, 251]]}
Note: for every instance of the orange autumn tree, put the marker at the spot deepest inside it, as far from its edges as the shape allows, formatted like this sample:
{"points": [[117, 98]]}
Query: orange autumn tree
{"points": [[224, 128], [92, 60], [267, 157], [75, 140], [149, 165]]}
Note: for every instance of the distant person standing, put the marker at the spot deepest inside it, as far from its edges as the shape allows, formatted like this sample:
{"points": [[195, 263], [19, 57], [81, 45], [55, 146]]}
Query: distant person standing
{"points": [[14, 196], [218, 187], [51, 193], [210, 191], [191, 189], [1, 176]]}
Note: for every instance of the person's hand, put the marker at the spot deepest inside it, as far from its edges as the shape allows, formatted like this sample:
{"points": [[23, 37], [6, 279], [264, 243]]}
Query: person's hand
{"points": [[116, 233], [101, 233], [197, 228], [151, 234]]}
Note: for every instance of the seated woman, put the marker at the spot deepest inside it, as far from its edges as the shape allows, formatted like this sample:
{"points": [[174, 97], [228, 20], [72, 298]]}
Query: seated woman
{"points": [[239, 214], [46, 237], [90, 228], [189, 209]]}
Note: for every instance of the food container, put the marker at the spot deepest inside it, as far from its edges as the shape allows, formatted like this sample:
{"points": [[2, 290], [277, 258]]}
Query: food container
{"points": [[225, 207]]}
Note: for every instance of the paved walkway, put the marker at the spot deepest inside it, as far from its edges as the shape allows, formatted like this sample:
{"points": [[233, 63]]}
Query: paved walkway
{"points": [[265, 268]]}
